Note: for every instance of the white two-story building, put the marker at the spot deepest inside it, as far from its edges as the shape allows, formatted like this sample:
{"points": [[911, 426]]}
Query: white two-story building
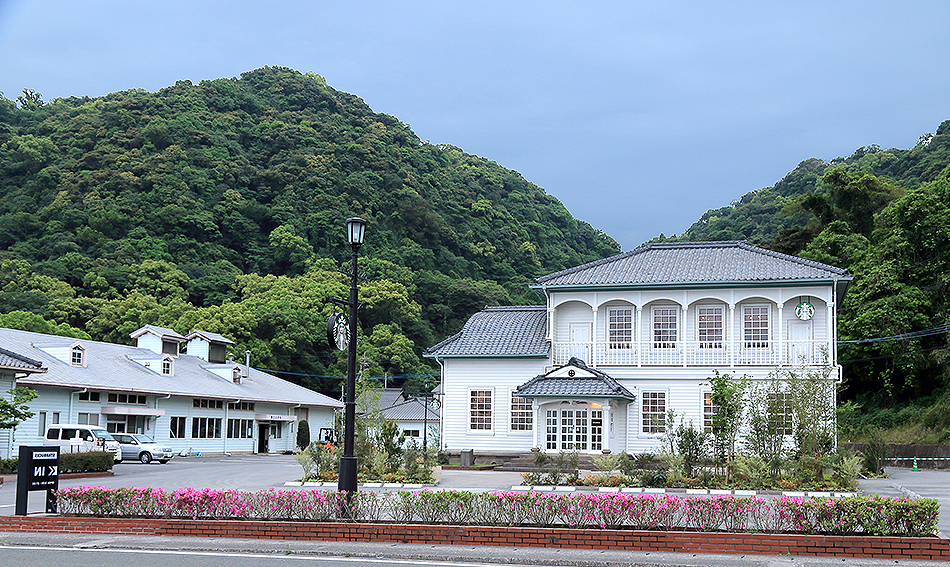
{"points": [[625, 339]]}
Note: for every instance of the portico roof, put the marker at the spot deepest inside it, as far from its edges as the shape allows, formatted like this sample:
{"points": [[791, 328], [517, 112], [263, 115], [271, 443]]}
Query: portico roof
{"points": [[574, 380]]}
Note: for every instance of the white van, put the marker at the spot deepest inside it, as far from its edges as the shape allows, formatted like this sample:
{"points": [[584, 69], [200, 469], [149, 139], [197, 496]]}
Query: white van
{"points": [[76, 438]]}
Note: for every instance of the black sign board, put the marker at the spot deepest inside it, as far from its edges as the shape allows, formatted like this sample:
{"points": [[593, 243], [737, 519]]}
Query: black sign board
{"points": [[37, 469]]}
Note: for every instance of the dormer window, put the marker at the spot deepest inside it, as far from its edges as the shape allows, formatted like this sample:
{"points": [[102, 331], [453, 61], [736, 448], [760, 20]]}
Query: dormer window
{"points": [[217, 353], [77, 356], [170, 347], [167, 368]]}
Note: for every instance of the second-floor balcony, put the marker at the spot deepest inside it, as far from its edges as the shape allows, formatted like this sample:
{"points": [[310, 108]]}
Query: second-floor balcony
{"points": [[694, 353]]}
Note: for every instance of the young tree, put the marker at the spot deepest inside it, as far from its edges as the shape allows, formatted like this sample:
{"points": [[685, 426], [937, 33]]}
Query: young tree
{"points": [[728, 400], [14, 410]]}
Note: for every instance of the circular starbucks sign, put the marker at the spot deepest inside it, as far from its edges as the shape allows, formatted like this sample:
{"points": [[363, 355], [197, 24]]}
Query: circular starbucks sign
{"points": [[805, 311]]}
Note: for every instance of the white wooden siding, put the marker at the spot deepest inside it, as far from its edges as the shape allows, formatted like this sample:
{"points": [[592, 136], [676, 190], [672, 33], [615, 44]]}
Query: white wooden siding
{"points": [[501, 375]]}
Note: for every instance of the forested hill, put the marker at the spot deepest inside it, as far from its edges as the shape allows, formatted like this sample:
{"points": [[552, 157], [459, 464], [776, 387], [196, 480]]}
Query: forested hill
{"points": [[221, 206], [885, 216]]}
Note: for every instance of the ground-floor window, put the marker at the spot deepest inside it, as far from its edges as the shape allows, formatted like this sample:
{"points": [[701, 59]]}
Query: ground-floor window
{"points": [[88, 418], [410, 432], [240, 428], [176, 427], [780, 413], [206, 428], [709, 410], [125, 423], [522, 415], [52, 417], [480, 416], [654, 412]]}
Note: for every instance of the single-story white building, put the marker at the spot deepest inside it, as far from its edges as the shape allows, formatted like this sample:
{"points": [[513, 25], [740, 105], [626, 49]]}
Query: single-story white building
{"points": [[198, 402]]}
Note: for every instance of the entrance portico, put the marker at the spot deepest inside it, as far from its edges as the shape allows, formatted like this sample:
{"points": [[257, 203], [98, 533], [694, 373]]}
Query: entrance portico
{"points": [[575, 406]]}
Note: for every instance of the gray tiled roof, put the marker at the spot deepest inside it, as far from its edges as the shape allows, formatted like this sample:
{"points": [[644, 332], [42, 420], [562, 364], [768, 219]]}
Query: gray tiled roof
{"points": [[18, 362], [499, 331], [410, 410], [387, 396], [113, 367], [595, 385], [694, 263]]}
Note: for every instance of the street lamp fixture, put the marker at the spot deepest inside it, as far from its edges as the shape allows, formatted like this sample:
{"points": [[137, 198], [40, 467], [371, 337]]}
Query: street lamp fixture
{"points": [[355, 231]]}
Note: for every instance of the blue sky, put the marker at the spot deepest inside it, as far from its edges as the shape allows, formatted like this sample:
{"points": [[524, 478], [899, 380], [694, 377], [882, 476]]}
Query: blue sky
{"points": [[638, 116]]}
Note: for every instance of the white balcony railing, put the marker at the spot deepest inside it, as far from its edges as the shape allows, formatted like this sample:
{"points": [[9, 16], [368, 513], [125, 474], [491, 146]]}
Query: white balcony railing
{"points": [[694, 353]]}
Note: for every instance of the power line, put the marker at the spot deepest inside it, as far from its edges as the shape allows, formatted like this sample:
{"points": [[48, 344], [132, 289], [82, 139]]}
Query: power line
{"points": [[942, 329]]}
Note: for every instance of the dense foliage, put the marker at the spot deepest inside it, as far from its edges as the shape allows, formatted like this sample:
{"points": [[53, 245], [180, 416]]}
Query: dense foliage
{"points": [[221, 206]]}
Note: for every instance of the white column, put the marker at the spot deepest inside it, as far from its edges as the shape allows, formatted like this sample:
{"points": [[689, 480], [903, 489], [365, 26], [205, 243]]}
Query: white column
{"points": [[593, 339], [637, 337], [733, 329], [832, 334], [782, 359], [681, 331]]}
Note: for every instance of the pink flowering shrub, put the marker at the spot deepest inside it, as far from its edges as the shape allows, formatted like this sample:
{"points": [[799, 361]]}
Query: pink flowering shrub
{"points": [[854, 515]]}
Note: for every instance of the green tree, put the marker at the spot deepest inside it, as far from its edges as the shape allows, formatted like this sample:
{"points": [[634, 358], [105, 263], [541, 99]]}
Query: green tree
{"points": [[16, 409], [728, 397]]}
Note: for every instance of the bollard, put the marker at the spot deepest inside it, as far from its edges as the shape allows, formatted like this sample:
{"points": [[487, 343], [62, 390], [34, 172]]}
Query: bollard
{"points": [[915, 463]]}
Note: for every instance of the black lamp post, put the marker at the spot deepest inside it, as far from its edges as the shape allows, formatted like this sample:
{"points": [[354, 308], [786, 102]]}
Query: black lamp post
{"points": [[355, 229]]}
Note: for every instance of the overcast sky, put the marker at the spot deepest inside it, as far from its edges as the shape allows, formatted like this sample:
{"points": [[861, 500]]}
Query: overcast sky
{"points": [[638, 116]]}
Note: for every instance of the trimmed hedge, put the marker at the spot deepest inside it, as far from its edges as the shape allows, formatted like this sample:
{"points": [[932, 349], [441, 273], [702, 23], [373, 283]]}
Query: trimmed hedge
{"points": [[69, 463], [872, 515], [98, 461]]}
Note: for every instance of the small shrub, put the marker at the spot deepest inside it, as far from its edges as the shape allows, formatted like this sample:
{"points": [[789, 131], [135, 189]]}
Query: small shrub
{"points": [[875, 452], [9, 466]]}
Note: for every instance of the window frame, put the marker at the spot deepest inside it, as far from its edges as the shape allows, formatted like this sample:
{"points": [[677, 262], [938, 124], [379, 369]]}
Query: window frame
{"points": [[201, 426], [77, 356], [664, 343], [527, 426], [656, 430], [783, 422], [240, 428], [173, 430], [620, 332], [706, 343], [750, 331], [487, 420], [709, 411]]}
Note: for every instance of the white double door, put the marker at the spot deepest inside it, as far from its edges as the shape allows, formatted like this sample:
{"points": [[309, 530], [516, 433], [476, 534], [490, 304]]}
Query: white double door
{"points": [[574, 427]]}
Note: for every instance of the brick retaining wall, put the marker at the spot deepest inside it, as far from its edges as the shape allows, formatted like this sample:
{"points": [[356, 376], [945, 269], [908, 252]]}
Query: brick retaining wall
{"points": [[877, 547]]}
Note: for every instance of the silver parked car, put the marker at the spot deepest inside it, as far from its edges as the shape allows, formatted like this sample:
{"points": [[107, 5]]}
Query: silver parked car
{"points": [[142, 448]]}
